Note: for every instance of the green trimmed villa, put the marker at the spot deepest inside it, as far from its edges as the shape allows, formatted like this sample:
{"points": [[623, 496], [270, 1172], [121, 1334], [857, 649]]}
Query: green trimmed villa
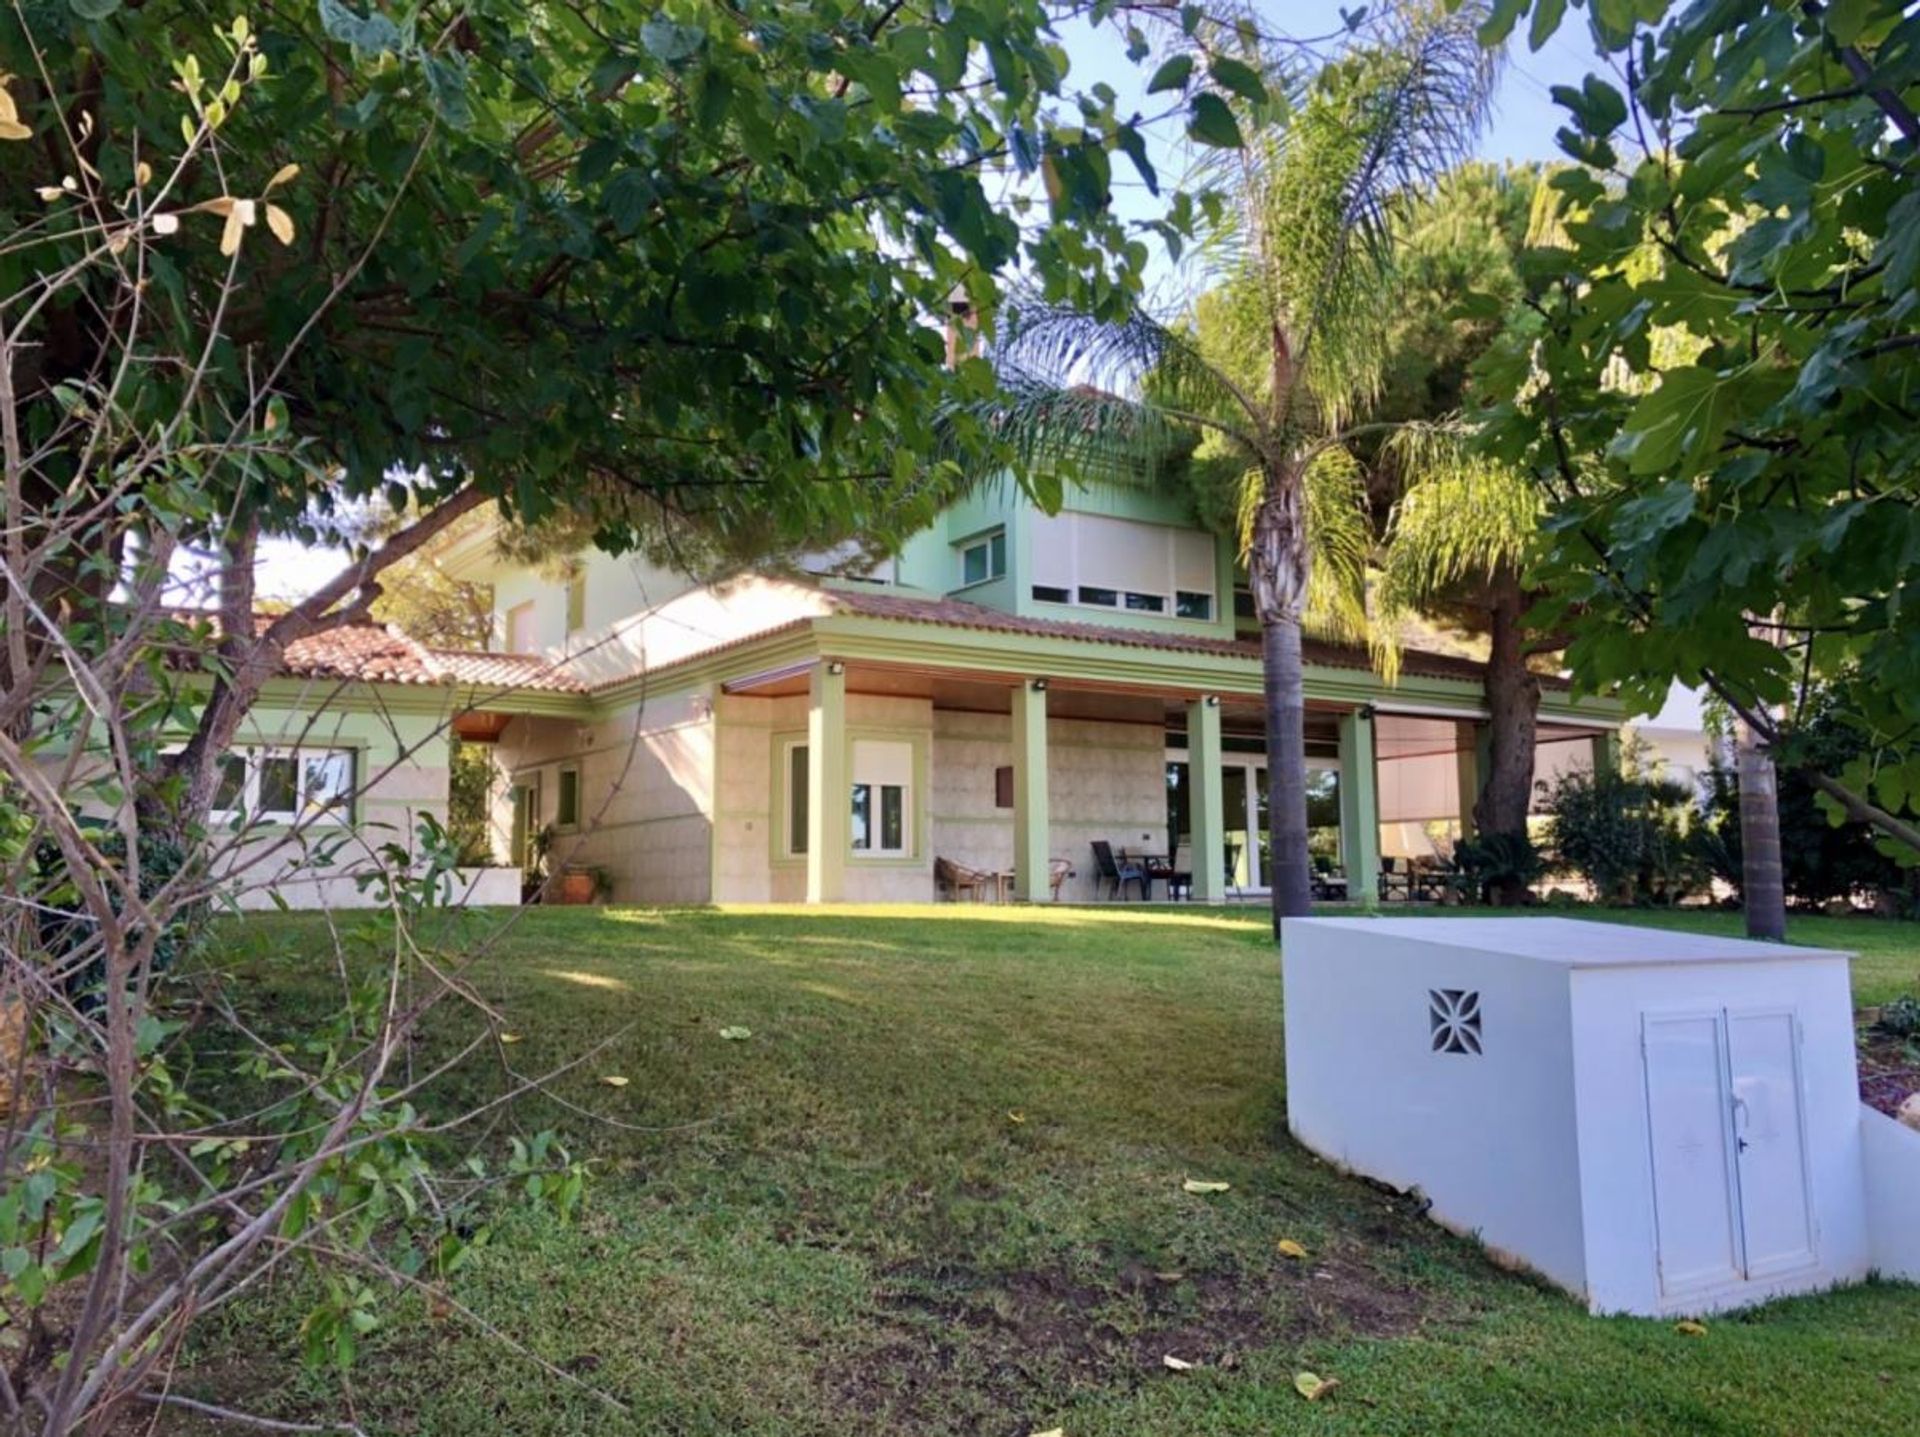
{"points": [[1011, 688]]}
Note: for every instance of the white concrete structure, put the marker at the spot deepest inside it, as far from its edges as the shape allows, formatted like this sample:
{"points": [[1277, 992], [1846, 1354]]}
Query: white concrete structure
{"points": [[1891, 1154], [1661, 1123]]}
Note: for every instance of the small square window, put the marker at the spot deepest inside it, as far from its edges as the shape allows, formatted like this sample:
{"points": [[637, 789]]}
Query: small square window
{"points": [[327, 780], [1190, 605], [1048, 594], [1100, 598], [230, 789], [279, 785], [983, 558], [1146, 603]]}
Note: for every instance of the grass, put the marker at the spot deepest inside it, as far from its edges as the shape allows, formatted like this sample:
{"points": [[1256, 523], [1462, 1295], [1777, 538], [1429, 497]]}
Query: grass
{"points": [[938, 1191]]}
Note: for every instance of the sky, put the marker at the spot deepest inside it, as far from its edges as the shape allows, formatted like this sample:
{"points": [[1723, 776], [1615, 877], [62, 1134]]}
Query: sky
{"points": [[1521, 128]]}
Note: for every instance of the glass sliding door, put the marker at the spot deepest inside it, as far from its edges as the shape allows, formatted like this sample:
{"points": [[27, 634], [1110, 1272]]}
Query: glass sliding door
{"points": [[1245, 792]]}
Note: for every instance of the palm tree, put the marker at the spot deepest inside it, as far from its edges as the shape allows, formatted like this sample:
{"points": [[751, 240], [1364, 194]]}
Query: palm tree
{"points": [[1460, 534], [1305, 263]]}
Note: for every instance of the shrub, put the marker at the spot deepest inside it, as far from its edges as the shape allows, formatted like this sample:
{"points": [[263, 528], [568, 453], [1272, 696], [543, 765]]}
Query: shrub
{"points": [[1820, 860], [1497, 867], [1633, 836]]}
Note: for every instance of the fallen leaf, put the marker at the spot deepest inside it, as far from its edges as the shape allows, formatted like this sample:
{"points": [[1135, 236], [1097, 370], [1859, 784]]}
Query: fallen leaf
{"points": [[509, 1037], [1689, 1328], [1312, 1386], [1289, 1248], [1194, 1185], [1052, 1432], [1016, 1117], [736, 1035], [614, 1080], [1176, 1364]]}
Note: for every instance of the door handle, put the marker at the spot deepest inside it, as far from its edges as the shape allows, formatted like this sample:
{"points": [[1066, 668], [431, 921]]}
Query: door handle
{"points": [[1741, 1118]]}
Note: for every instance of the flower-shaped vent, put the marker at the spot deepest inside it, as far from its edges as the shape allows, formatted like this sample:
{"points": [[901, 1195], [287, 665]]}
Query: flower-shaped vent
{"points": [[1454, 1014]]}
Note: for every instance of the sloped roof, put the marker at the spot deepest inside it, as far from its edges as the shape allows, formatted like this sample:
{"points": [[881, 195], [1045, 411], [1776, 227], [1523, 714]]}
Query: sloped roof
{"points": [[378, 654], [371, 653], [959, 614]]}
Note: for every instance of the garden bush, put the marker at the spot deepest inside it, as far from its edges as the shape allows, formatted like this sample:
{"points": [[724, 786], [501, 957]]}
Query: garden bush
{"points": [[1635, 837]]}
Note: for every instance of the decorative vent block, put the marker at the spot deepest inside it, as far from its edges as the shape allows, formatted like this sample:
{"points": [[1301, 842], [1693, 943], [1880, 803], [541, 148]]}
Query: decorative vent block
{"points": [[1454, 1014]]}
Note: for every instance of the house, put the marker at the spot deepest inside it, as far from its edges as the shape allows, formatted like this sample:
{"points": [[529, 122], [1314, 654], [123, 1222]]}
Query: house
{"points": [[1011, 687]]}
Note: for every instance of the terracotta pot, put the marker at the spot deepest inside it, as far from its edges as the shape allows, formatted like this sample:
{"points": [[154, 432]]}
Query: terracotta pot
{"points": [[576, 886]]}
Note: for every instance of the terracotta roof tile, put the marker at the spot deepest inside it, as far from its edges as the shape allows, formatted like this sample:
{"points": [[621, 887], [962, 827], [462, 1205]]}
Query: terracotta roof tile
{"points": [[366, 652], [377, 654], [503, 671]]}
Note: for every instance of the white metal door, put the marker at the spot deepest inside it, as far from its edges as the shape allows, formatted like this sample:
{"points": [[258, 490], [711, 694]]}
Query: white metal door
{"points": [[1763, 1056], [1696, 1219]]}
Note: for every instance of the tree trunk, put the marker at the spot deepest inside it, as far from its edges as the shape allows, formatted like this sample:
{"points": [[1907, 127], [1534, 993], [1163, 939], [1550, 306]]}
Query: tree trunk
{"points": [[1513, 702], [1285, 680], [1762, 881], [1277, 570]]}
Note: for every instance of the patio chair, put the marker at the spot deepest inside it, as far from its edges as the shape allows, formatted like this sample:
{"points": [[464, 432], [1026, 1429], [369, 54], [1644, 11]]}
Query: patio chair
{"points": [[1179, 880], [954, 879], [1059, 870], [1233, 867], [1115, 872]]}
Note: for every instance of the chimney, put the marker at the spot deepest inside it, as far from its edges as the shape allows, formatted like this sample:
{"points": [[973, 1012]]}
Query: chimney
{"points": [[963, 328]]}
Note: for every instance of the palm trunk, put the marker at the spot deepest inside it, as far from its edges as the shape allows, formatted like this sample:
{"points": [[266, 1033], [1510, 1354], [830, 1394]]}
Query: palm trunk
{"points": [[1762, 880], [1285, 680], [1513, 703]]}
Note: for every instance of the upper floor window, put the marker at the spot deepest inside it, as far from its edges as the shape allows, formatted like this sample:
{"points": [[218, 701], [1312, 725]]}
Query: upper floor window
{"points": [[521, 635], [983, 558], [1102, 562], [576, 599]]}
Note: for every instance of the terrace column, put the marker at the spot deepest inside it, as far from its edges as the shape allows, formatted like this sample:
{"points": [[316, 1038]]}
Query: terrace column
{"points": [[1206, 803], [1359, 807], [829, 799], [1469, 743], [1606, 751], [1031, 881]]}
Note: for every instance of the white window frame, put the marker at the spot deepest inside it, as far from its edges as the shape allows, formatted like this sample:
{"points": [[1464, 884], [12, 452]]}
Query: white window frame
{"points": [[992, 543], [255, 757], [1154, 592], [532, 613], [874, 784]]}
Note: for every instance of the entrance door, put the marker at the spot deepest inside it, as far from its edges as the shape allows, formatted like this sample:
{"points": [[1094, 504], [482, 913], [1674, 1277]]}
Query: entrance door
{"points": [[1729, 1166]]}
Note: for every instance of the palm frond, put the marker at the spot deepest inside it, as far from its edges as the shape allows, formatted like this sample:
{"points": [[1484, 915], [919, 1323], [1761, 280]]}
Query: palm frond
{"points": [[1135, 357], [1340, 544], [1326, 188], [1459, 522]]}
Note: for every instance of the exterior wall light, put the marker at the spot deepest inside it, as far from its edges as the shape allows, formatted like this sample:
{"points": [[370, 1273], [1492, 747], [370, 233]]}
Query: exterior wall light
{"points": [[1039, 686], [1213, 701], [836, 668]]}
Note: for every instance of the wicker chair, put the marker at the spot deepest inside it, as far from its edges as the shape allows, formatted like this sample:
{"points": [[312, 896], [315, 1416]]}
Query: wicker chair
{"points": [[1059, 870], [952, 880]]}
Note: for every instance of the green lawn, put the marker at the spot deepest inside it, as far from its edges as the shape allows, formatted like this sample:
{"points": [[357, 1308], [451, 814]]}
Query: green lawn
{"points": [[939, 1191]]}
